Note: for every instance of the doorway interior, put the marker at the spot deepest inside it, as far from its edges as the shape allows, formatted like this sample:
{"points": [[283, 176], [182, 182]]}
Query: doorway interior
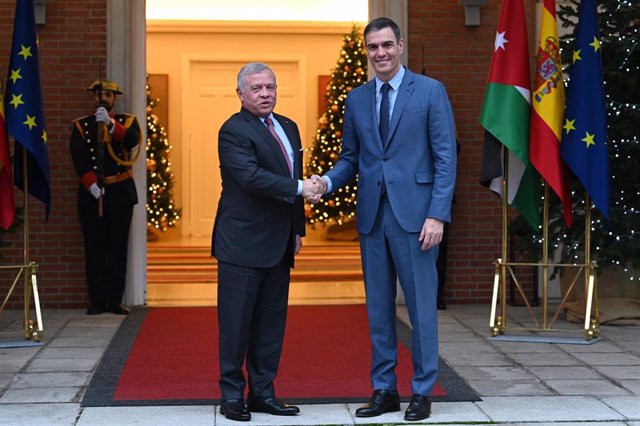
{"points": [[200, 60]]}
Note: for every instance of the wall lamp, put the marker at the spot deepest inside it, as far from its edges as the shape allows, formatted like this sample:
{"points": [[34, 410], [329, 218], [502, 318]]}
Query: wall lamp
{"points": [[472, 11], [40, 7]]}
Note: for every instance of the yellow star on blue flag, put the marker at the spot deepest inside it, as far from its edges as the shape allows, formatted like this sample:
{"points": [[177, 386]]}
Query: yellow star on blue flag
{"points": [[24, 108], [584, 144]]}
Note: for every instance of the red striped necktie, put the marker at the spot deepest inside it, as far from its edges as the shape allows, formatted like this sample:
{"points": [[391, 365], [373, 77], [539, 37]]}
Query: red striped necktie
{"points": [[277, 138]]}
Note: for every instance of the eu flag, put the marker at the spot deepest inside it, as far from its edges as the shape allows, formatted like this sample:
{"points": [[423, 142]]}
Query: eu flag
{"points": [[24, 109], [584, 146]]}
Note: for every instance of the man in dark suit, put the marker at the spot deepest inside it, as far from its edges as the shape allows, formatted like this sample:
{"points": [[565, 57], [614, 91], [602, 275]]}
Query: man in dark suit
{"points": [[101, 147], [399, 137], [257, 232]]}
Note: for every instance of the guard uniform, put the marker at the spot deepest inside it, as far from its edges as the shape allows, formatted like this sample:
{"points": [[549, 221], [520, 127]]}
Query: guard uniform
{"points": [[106, 238]]}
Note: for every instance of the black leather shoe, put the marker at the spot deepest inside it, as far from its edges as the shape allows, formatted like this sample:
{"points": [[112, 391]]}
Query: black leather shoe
{"points": [[382, 401], [419, 408], [272, 405], [95, 310], [117, 309], [234, 409]]}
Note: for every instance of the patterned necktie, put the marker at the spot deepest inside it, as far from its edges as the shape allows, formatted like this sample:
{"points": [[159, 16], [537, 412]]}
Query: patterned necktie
{"points": [[277, 138], [384, 111]]}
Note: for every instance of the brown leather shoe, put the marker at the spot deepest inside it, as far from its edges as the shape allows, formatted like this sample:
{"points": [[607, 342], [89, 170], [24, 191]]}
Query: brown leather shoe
{"points": [[382, 401], [419, 408]]}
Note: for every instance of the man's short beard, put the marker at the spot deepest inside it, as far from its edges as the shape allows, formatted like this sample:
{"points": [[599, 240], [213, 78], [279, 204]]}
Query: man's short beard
{"points": [[106, 106]]}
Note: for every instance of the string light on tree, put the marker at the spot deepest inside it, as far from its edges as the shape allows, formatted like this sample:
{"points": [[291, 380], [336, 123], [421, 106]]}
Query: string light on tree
{"points": [[162, 213], [350, 72]]}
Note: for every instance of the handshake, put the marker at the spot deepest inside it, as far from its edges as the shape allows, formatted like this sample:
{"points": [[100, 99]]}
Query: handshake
{"points": [[314, 188]]}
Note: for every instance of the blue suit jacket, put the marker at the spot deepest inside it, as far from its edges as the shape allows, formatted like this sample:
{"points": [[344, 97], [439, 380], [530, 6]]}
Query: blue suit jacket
{"points": [[417, 161]]}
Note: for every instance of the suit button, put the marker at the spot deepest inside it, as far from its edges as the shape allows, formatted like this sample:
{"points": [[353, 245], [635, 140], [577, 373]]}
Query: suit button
{"points": [[378, 183]]}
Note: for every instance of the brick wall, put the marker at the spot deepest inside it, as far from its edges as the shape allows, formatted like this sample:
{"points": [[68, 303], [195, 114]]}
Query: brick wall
{"points": [[460, 56], [72, 45]]}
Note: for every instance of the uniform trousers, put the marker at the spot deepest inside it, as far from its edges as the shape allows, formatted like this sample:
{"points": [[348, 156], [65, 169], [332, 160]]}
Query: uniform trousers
{"points": [[106, 242]]}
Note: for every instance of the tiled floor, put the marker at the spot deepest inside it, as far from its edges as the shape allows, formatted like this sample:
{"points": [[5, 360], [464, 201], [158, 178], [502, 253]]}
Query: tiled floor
{"points": [[520, 383]]}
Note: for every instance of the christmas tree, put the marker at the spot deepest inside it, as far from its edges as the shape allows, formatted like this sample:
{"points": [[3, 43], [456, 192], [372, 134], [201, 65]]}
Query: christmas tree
{"points": [[350, 72], [162, 213], [617, 243]]}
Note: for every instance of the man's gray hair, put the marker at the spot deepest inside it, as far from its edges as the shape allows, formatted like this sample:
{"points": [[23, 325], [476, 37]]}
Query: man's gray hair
{"points": [[250, 69]]}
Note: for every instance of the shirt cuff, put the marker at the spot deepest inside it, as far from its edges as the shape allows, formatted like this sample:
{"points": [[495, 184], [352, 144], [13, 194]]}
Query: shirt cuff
{"points": [[329, 183], [299, 191]]}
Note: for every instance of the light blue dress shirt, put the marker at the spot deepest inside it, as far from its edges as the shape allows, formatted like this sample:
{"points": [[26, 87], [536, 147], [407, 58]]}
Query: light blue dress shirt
{"points": [[395, 82]]}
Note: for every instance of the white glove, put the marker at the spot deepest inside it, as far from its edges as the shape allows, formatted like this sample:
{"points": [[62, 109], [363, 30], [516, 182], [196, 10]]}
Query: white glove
{"points": [[102, 116], [94, 189]]}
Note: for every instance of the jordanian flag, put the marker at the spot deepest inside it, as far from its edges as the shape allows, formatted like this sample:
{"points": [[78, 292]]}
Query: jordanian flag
{"points": [[505, 115], [548, 111]]}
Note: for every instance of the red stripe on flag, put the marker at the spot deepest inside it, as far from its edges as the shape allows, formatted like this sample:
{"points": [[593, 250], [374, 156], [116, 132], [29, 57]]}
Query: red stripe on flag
{"points": [[550, 5], [7, 203], [511, 48], [545, 157]]}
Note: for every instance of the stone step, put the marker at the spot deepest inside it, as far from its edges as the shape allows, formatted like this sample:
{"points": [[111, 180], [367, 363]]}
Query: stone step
{"points": [[187, 275]]}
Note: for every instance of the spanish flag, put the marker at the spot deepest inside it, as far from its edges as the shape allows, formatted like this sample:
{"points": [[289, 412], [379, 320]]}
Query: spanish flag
{"points": [[548, 111], [7, 204]]}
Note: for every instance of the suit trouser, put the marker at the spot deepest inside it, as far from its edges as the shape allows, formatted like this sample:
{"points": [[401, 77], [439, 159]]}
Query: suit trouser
{"points": [[252, 313], [390, 253], [106, 242]]}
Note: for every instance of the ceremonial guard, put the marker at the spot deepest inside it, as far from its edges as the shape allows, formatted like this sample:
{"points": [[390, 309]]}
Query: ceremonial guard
{"points": [[104, 145]]}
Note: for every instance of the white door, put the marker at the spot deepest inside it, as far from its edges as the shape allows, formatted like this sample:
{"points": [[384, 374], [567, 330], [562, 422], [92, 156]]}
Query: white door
{"points": [[210, 101]]}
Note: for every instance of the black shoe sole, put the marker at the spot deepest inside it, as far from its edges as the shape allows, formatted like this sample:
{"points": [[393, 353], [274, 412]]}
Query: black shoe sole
{"points": [[393, 410], [415, 419], [259, 410]]}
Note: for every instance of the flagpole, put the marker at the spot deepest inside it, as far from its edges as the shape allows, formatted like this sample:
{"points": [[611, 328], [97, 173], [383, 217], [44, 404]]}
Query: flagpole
{"points": [[30, 144], [591, 326], [505, 232], [25, 243], [545, 256], [497, 324], [32, 330]]}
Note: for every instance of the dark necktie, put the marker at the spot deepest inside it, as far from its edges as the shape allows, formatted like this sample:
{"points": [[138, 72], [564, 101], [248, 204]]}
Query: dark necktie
{"points": [[277, 138], [384, 111]]}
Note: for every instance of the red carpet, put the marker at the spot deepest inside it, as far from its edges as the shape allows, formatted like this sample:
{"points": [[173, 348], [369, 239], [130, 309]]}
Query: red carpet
{"points": [[326, 355]]}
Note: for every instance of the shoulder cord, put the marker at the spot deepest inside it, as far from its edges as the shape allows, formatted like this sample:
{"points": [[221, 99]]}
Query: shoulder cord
{"points": [[112, 154]]}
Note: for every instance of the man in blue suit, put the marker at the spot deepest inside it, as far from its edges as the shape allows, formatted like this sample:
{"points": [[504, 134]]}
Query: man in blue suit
{"points": [[399, 137]]}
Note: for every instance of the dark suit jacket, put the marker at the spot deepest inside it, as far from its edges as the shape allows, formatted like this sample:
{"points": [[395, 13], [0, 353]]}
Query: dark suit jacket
{"points": [[417, 161], [258, 213]]}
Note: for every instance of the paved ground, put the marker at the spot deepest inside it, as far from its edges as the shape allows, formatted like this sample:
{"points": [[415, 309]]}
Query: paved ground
{"points": [[520, 383]]}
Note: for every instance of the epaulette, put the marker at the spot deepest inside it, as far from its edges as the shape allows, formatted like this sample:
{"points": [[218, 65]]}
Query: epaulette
{"points": [[126, 119], [82, 118]]}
